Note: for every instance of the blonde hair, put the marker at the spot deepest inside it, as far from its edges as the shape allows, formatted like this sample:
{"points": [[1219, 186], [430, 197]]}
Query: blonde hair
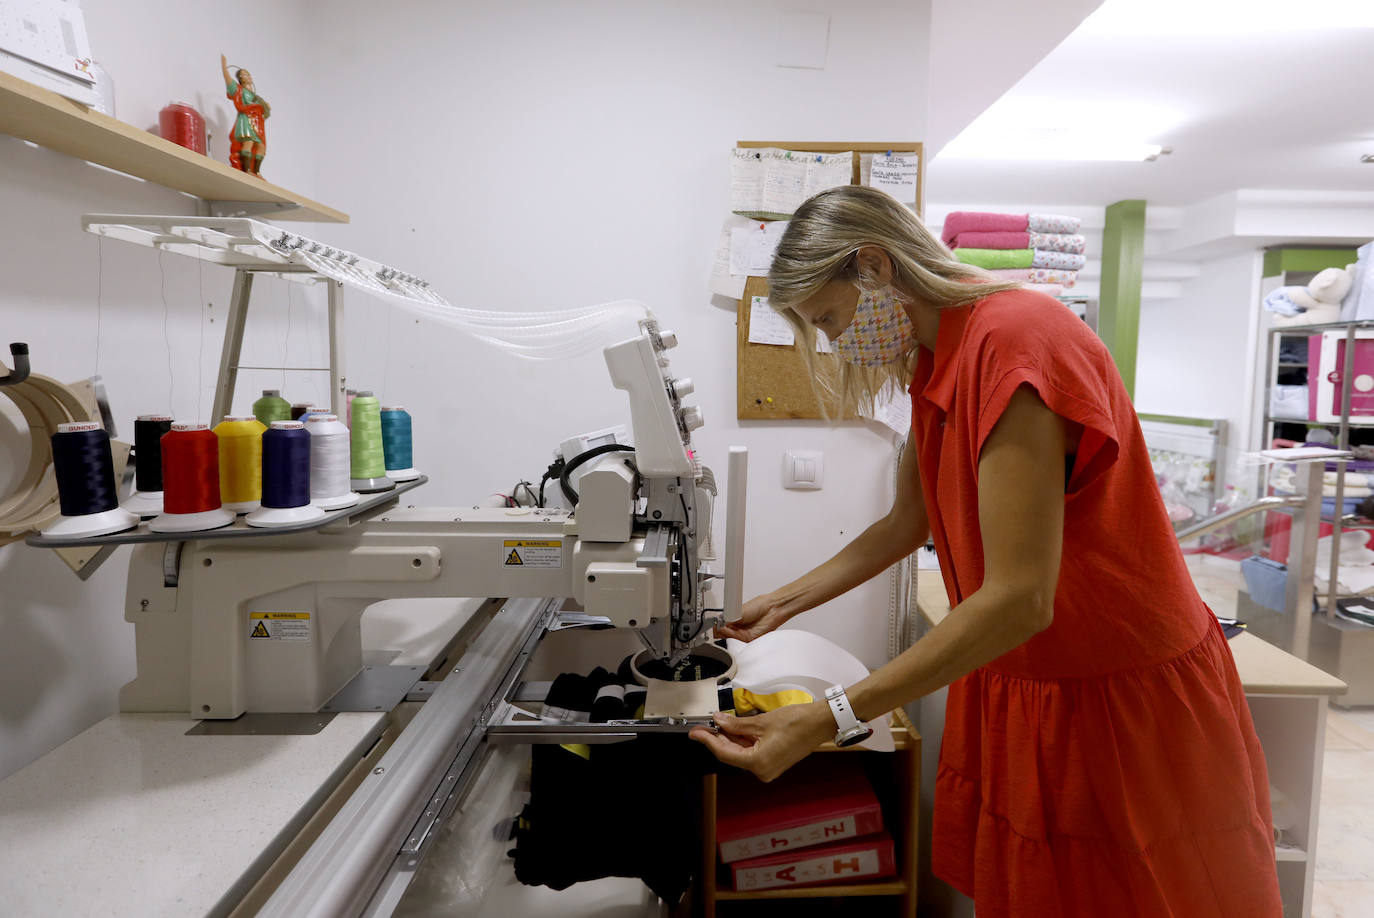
{"points": [[819, 246]]}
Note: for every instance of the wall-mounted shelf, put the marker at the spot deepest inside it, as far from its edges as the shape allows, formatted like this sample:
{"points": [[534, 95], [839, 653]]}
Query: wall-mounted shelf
{"points": [[45, 118]]}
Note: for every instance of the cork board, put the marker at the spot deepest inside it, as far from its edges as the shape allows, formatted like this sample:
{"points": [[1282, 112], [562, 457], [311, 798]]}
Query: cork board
{"points": [[771, 381]]}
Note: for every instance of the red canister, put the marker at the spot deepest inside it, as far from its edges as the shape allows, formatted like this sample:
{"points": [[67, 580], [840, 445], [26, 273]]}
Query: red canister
{"points": [[182, 124]]}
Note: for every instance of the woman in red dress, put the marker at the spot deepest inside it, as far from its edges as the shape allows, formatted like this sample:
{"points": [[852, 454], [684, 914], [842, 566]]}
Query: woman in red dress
{"points": [[1098, 757]]}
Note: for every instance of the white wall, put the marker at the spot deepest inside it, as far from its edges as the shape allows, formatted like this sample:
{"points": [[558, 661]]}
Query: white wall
{"points": [[522, 156], [1195, 354], [66, 647]]}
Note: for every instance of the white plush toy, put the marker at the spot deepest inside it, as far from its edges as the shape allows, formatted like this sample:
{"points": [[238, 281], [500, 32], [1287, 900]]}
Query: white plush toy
{"points": [[1320, 300]]}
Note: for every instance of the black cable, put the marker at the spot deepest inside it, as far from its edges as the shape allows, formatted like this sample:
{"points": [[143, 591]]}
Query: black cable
{"points": [[579, 459], [552, 471]]}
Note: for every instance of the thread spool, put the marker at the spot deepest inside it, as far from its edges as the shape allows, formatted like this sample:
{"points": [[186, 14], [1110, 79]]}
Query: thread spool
{"points": [[298, 409], [240, 462], [311, 411], [285, 478], [396, 442], [368, 461], [190, 481], [330, 459], [271, 407], [84, 468], [349, 395], [146, 500]]}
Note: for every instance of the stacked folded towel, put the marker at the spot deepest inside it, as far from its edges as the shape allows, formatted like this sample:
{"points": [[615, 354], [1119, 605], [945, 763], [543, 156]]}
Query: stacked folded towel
{"points": [[1033, 249]]}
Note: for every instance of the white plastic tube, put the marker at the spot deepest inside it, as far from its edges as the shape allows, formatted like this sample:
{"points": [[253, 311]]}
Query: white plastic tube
{"points": [[737, 485]]}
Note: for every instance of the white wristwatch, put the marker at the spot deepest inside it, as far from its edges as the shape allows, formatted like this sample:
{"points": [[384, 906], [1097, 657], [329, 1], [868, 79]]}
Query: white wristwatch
{"points": [[850, 730]]}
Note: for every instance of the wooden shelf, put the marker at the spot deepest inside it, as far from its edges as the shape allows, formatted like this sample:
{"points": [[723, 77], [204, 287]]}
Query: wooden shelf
{"points": [[45, 118]]}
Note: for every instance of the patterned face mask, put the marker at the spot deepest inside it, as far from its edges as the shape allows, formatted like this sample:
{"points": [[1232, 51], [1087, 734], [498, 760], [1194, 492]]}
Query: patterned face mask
{"points": [[880, 333]]}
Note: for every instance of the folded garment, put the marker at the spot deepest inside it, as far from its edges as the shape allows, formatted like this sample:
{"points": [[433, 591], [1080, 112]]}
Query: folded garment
{"points": [[993, 241], [969, 221], [1017, 275], [972, 221], [1057, 242], [1062, 261], [1352, 480], [1329, 490], [1047, 289], [1278, 301], [1053, 276], [996, 258], [1053, 223]]}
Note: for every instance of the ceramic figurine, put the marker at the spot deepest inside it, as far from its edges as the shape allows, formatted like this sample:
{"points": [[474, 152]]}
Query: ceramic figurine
{"points": [[248, 139]]}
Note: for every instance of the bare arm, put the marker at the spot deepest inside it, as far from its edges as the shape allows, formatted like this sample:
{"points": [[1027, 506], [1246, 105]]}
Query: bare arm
{"points": [[873, 551], [224, 68], [1021, 516]]}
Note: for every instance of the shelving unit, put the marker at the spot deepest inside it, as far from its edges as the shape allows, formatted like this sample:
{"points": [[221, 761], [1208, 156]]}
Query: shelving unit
{"points": [[901, 772], [35, 114]]}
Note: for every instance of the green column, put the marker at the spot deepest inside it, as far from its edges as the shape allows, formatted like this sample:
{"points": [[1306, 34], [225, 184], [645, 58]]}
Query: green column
{"points": [[1118, 308]]}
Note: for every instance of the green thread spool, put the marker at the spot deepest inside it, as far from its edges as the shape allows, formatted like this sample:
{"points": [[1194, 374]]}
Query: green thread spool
{"points": [[368, 470], [271, 407]]}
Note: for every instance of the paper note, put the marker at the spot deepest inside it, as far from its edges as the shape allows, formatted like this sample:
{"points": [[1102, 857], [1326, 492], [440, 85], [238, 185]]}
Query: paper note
{"points": [[723, 281], [894, 412], [896, 174], [747, 169], [784, 185], [772, 183], [827, 170], [823, 343], [752, 247], [766, 326]]}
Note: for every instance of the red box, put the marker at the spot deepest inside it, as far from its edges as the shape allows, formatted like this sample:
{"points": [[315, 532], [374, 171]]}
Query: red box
{"points": [[823, 798], [870, 858]]}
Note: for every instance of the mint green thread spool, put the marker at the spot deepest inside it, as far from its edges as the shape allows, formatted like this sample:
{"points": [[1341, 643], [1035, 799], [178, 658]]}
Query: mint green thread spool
{"points": [[365, 439], [271, 407]]}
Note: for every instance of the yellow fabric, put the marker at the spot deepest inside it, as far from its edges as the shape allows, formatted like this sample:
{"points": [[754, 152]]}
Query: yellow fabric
{"points": [[747, 702], [581, 749]]}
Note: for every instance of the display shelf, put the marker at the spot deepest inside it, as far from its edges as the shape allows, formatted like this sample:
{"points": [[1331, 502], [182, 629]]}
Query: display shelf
{"points": [[35, 114], [1289, 853], [902, 768], [1367, 421], [235, 530]]}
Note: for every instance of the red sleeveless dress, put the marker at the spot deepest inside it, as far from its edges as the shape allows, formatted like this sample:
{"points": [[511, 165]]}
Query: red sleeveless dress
{"points": [[1109, 765]]}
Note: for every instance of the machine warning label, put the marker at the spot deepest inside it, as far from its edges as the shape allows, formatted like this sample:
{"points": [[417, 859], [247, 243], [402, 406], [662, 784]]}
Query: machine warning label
{"points": [[532, 552], [279, 626]]}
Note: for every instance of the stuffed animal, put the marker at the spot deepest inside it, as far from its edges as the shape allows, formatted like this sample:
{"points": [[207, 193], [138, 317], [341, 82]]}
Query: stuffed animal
{"points": [[1317, 303]]}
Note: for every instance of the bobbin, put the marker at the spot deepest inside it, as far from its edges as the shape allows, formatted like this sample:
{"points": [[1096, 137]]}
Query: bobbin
{"points": [[365, 482], [248, 505], [329, 501], [115, 519], [266, 517], [196, 521], [146, 504], [406, 474]]}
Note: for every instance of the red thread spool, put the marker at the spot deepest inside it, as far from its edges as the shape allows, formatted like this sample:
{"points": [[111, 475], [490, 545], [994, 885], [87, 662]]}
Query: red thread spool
{"points": [[190, 469], [182, 124]]}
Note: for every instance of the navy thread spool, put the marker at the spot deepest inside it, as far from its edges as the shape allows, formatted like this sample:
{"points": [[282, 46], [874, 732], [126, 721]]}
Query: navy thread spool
{"points": [[84, 468], [147, 497], [396, 444], [285, 478]]}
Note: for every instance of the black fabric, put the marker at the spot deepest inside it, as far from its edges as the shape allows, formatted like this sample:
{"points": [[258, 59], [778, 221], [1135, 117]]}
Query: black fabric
{"points": [[628, 809]]}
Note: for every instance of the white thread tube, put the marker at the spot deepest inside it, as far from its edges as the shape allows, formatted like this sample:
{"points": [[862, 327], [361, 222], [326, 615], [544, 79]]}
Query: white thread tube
{"points": [[330, 460], [736, 482]]}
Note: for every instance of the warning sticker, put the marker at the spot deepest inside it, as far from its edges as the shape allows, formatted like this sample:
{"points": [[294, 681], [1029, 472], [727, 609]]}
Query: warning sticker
{"points": [[532, 553], [279, 626]]}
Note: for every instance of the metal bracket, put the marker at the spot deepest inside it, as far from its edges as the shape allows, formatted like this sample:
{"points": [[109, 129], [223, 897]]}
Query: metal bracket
{"points": [[248, 208]]}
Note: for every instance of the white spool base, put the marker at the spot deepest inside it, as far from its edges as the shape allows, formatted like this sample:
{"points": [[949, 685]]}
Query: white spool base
{"points": [[92, 524], [144, 503], [274, 517], [402, 474], [368, 485], [243, 506], [337, 502], [192, 522]]}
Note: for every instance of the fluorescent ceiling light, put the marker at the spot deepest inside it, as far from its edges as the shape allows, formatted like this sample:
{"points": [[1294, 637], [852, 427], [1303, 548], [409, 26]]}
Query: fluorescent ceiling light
{"points": [[1184, 18], [1085, 148]]}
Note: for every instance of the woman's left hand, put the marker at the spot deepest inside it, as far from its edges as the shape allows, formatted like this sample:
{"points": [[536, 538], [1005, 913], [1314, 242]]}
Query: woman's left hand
{"points": [[769, 744]]}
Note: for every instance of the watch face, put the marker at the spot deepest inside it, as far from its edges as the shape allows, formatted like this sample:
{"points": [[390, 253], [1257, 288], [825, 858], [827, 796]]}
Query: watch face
{"points": [[854, 736]]}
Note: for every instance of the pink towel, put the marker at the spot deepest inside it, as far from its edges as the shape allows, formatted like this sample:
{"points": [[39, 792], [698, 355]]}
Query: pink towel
{"points": [[993, 241], [967, 221], [1017, 275], [1051, 289]]}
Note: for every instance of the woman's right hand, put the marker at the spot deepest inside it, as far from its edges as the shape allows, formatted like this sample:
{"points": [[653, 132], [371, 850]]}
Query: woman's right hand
{"points": [[760, 615]]}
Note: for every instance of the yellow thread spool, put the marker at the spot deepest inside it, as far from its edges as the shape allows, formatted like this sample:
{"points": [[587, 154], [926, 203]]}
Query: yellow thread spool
{"points": [[240, 463]]}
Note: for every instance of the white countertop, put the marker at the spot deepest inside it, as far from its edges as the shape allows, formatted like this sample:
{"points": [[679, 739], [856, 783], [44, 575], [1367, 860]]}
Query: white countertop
{"points": [[134, 817], [1263, 668]]}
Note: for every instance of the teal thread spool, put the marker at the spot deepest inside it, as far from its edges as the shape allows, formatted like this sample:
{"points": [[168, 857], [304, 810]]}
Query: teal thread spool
{"points": [[271, 407], [396, 444], [368, 460]]}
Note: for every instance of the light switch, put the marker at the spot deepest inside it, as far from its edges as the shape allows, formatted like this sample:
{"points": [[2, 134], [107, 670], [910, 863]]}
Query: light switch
{"points": [[802, 470]]}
